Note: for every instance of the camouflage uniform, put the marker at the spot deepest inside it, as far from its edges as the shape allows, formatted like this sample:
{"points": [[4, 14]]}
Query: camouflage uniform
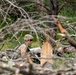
{"points": [[22, 50]]}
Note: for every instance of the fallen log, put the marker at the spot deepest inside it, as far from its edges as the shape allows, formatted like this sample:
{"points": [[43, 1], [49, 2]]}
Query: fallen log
{"points": [[42, 71], [69, 39], [65, 33]]}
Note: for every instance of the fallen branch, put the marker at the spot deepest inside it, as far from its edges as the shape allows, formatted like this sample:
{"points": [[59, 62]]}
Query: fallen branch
{"points": [[69, 39], [65, 33]]}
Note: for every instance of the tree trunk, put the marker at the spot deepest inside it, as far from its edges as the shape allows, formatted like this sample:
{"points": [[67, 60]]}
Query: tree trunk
{"points": [[53, 12]]}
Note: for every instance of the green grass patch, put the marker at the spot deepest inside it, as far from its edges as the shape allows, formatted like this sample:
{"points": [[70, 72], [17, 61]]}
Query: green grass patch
{"points": [[13, 44], [69, 55]]}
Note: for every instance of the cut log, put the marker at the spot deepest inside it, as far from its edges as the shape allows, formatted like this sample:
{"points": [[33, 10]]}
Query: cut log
{"points": [[46, 52]]}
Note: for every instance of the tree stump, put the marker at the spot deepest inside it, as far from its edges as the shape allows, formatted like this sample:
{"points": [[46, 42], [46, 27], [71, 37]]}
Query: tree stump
{"points": [[46, 53]]}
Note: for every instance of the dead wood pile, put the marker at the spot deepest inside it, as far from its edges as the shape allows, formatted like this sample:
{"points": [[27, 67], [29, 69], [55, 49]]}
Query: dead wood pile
{"points": [[11, 66]]}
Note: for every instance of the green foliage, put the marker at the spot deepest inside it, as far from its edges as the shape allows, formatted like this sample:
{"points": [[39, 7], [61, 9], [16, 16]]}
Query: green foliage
{"points": [[69, 9], [30, 6], [34, 44], [69, 55], [57, 63]]}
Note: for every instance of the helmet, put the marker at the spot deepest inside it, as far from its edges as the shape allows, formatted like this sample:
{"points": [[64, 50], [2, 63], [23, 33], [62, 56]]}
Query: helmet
{"points": [[28, 37]]}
